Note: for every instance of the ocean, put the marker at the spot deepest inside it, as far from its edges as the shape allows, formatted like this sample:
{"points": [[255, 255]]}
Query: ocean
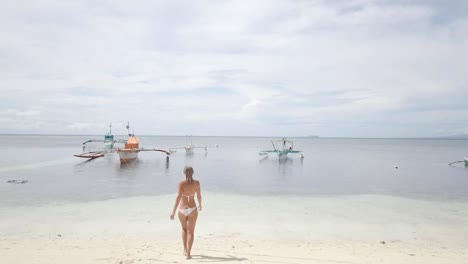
{"points": [[331, 167]]}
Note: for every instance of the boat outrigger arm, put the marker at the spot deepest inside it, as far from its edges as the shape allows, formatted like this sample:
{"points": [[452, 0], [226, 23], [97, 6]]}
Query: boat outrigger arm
{"points": [[91, 155], [282, 152], [143, 149], [189, 147], [123, 141]]}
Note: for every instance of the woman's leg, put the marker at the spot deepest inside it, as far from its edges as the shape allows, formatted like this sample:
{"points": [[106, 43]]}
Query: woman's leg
{"points": [[183, 222], [191, 221]]}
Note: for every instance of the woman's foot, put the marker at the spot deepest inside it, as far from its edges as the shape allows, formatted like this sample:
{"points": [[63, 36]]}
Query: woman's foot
{"points": [[185, 252], [188, 257]]}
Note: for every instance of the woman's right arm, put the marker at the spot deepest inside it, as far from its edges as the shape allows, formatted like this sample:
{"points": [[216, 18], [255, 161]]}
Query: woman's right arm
{"points": [[177, 200]]}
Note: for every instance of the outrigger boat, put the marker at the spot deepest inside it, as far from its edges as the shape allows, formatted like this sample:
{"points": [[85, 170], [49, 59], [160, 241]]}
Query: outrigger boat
{"points": [[189, 147], [98, 152], [466, 162], [132, 148], [282, 147], [108, 141]]}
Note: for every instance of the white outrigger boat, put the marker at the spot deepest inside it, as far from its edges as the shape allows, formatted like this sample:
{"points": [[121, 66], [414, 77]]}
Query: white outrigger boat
{"points": [[189, 147], [132, 148], [282, 147]]}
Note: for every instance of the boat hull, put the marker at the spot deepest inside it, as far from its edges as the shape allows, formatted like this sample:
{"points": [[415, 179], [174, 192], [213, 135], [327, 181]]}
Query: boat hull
{"points": [[282, 154], [130, 152], [466, 162], [127, 156], [109, 145], [189, 150]]}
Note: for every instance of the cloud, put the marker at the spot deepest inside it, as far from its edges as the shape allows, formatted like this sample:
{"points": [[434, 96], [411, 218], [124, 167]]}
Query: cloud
{"points": [[332, 68]]}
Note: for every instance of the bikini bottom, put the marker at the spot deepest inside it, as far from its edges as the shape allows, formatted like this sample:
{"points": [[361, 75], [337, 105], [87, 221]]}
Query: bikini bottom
{"points": [[187, 211]]}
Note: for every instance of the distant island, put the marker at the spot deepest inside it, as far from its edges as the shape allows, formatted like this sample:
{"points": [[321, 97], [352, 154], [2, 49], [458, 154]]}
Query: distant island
{"points": [[460, 136]]}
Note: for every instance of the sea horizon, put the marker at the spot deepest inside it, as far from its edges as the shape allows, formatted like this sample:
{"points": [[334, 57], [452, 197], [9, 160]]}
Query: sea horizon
{"points": [[449, 137]]}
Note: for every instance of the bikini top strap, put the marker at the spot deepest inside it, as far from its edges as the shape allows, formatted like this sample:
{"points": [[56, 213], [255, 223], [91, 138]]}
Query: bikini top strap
{"points": [[188, 196]]}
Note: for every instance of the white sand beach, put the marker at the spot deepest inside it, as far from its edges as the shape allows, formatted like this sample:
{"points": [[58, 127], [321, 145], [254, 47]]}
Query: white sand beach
{"points": [[240, 228]]}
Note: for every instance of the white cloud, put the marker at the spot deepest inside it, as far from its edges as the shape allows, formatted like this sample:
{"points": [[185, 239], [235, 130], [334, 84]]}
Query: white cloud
{"points": [[180, 67]]}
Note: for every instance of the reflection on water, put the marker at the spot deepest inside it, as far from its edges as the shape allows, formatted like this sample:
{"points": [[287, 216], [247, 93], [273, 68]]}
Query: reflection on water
{"points": [[283, 165], [129, 165]]}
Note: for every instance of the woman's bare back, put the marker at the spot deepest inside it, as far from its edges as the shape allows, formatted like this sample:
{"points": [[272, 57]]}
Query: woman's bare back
{"points": [[188, 191]]}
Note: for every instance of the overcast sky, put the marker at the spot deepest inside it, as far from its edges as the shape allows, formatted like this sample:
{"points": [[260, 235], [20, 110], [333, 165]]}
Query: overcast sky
{"points": [[351, 68]]}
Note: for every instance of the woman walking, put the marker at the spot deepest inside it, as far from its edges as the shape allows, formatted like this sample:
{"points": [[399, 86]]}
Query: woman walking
{"points": [[187, 211]]}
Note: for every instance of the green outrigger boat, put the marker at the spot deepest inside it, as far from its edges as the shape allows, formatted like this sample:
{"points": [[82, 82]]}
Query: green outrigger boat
{"points": [[108, 141], [466, 162]]}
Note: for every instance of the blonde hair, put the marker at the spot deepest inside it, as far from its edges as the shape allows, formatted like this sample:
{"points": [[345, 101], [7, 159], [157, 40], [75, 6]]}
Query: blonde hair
{"points": [[188, 171]]}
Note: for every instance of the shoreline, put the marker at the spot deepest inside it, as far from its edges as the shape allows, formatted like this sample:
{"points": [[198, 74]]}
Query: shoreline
{"points": [[248, 229], [460, 199]]}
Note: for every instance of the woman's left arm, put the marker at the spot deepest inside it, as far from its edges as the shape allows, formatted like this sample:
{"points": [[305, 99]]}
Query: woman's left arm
{"points": [[199, 197]]}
